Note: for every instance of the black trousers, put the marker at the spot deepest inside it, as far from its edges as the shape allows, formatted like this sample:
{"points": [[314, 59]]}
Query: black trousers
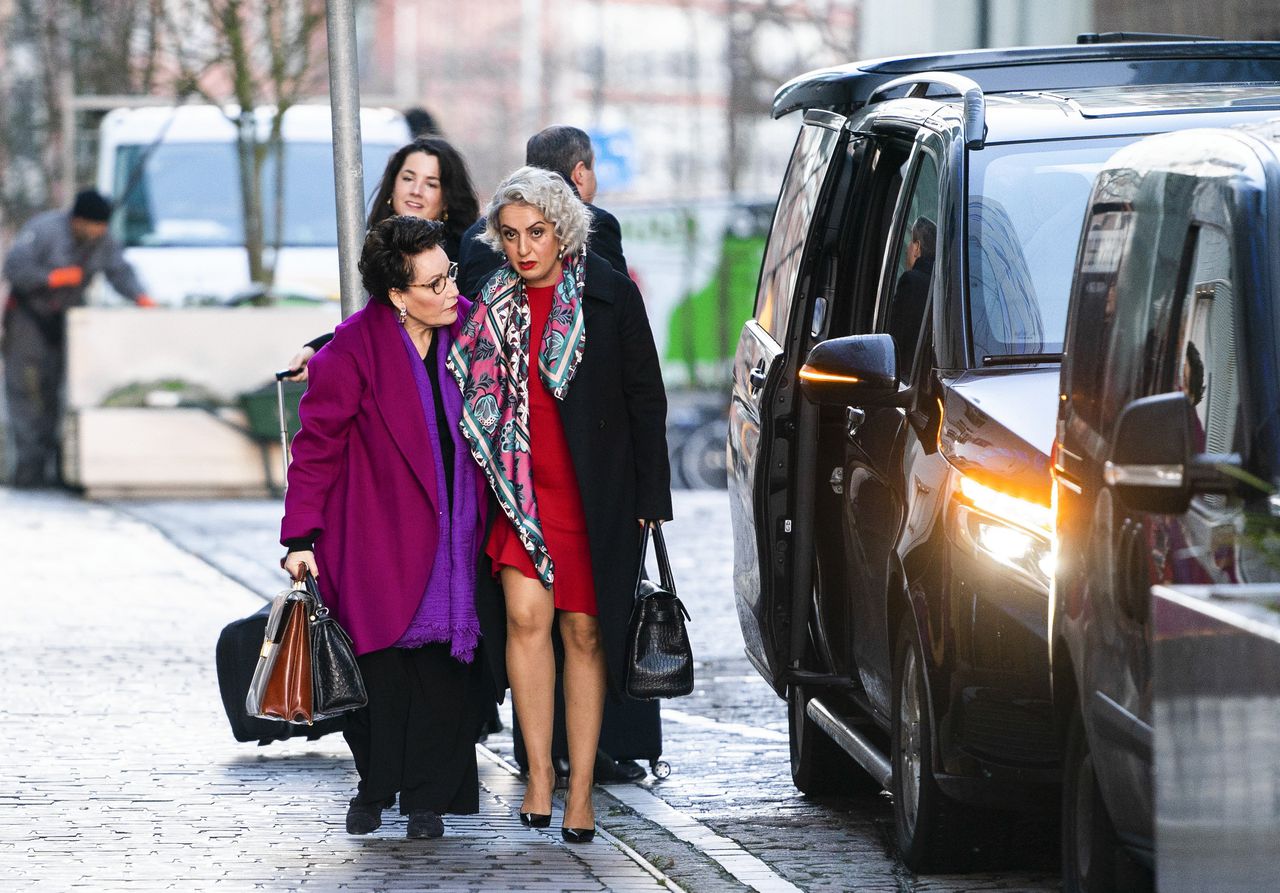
{"points": [[34, 369], [417, 736]]}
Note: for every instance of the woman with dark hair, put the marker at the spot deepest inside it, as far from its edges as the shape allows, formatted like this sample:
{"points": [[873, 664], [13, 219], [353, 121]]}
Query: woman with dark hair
{"points": [[428, 178], [564, 409], [384, 505], [425, 178]]}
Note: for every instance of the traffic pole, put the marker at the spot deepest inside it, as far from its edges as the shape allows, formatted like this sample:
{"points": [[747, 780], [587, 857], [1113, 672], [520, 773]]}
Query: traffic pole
{"points": [[348, 164]]}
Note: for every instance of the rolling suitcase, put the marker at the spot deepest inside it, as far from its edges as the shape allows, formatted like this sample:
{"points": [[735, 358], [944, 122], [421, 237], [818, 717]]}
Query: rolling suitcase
{"points": [[630, 730], [237, 651]]}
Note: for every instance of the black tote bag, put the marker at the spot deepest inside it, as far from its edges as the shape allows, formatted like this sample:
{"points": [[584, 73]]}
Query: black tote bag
{"points": [[659, 657]]}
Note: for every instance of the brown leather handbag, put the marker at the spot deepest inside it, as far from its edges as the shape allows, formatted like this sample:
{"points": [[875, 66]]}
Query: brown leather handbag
{"points": [[306, 669], [288, 691]]}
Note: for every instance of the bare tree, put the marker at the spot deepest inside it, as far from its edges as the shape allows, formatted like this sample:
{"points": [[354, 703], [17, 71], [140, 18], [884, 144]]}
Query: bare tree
{"points": [[107, 46], [828, 24], [252, 53], [25, 158]]}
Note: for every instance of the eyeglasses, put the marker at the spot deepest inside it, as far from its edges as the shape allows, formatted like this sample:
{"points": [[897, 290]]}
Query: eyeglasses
{"points": [[437, 284]]}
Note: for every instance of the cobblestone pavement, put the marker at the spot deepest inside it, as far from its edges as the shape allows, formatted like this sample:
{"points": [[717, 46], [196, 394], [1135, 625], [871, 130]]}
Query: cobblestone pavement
{"points": [[729, 794], [118, 769]]}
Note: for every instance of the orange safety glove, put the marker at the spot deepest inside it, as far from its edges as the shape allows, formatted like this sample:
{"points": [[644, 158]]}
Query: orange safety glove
{"points": [[145, 301], [66, 277]]}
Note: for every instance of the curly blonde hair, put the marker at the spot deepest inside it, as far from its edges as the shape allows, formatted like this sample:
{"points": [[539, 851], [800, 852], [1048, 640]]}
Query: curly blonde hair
{"points": [[551, 195]]}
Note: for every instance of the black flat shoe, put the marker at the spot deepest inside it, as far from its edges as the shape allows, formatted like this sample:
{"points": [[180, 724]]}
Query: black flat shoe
{"points": [[578, 835], [535, 820], [363, 818], [424, 823]]}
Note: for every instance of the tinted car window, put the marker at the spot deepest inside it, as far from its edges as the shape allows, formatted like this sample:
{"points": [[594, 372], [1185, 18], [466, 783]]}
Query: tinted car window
{"points": [[1105, 243], [796, 203], [1026, 202], [912, 275], [1207, 371]]}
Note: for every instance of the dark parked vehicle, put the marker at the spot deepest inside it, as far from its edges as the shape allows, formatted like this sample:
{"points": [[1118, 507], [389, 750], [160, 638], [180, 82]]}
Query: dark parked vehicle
{"points": [[894, 399], [1167, 460]]}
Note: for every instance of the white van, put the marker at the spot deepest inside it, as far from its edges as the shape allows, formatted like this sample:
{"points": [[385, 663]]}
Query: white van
{"points": [[175, 174]]}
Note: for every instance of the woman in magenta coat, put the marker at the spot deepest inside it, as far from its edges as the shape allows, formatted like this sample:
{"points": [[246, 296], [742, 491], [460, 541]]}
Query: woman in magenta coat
{"points": [[384, 504]]}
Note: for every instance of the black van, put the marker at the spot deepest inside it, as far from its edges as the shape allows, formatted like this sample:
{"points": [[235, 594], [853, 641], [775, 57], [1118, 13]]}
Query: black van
{"points": [[893, 407], [1167, 460]]}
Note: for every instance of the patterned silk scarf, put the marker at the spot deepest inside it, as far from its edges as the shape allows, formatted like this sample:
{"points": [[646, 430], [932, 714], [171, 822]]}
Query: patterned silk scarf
{"points": [[490, 359]]}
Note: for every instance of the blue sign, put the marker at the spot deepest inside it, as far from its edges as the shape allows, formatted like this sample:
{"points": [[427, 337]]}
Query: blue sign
{"points": [[614, 152]]}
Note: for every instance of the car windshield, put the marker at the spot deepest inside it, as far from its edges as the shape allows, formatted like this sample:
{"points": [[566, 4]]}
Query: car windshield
{"points": [[187, 194], [1026, 206]]}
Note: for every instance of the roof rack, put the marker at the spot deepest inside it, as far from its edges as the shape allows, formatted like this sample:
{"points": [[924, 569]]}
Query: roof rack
{"points": [[975, 103], [1137, 37], [845, 88]]}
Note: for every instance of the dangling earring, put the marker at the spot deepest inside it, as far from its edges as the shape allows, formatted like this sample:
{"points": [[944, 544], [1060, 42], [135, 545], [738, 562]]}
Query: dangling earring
{"points": [[404, 314], [389, 205], [444, 215], [560, 253]]}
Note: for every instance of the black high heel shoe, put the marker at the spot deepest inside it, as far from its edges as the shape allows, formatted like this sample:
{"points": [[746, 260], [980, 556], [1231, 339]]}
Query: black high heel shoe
{"points": [[535, 819], [578, 835]]}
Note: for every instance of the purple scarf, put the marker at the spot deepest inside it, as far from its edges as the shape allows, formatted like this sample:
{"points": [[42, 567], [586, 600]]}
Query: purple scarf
{"points": [[447, 612]]}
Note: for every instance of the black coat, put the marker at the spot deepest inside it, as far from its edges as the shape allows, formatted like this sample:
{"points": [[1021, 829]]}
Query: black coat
{"points": [[615, 417], [906, 315], [477, 261]]}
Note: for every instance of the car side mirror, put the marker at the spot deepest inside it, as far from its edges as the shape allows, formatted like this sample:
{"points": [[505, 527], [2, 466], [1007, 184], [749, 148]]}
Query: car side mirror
{"points": [[1153, 465], [853, 370]]}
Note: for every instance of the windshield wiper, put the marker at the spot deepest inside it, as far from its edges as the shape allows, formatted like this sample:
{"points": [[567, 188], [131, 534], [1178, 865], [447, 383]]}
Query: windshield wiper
{"points": [[1021, 359]]}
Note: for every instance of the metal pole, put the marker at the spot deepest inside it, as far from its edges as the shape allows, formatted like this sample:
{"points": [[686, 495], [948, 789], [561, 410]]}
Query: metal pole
{"points": [[67, 91], [984, 23], [531, 66], [348, 166]]}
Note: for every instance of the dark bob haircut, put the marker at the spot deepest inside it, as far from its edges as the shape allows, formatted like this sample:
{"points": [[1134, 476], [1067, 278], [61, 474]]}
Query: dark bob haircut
{"points": [[386, 261], [459, 195]]}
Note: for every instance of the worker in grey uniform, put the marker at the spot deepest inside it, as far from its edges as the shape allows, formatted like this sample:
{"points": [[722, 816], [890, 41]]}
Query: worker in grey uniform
{"points": [[53, 259]]}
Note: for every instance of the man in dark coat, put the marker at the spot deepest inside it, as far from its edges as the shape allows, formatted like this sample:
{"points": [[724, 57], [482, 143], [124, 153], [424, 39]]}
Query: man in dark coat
{"points": [[567, 151], [906, 315], [54, 258]]}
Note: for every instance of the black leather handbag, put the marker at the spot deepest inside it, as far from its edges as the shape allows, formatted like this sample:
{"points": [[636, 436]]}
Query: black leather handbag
{"points": [[659, 658], [336, 683]]}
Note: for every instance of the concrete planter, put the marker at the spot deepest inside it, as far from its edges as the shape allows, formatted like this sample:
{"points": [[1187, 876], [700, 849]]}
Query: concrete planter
{"points": [[177, 451]]}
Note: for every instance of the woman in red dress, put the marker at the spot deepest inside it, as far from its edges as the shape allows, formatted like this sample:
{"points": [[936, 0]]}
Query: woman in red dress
{"points": [[565, 412]]}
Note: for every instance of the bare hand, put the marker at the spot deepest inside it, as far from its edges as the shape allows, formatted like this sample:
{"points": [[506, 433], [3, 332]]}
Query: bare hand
{"points": [[296, 565], [299, 362]]}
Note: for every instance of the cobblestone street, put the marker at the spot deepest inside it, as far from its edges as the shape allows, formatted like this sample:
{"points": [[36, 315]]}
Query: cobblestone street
{"points": [[120, 772], [121, 769]]}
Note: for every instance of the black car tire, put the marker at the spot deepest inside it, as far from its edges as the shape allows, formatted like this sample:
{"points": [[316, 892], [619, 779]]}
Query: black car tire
{"points": [[932, 829], [1089, 842], [818, 766]]}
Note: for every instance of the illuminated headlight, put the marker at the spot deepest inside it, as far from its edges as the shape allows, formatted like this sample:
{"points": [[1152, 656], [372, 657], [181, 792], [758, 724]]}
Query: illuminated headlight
{"points": [[1013, 532]]}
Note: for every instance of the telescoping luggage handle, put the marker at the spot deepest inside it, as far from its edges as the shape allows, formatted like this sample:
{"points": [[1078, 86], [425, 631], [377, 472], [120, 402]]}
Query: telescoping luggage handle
{"points": [[284, 426]]}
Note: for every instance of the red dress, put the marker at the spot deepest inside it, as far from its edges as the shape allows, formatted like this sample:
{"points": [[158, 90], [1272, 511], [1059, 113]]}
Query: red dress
{"points": [[555, 488]]}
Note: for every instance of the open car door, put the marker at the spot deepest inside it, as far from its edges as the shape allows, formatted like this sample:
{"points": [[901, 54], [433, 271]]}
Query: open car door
{"points": [[759, 435]]}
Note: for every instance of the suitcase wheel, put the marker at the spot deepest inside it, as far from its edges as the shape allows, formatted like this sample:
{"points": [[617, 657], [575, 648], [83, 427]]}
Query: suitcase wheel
{"points": [[660, 768]]}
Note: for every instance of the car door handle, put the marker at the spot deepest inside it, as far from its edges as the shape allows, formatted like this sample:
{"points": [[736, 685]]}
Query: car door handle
{"points": [[757, 377]]}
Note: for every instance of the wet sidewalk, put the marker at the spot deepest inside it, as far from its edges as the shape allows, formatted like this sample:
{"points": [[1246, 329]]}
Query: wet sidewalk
{"points": [[119, 768]]}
